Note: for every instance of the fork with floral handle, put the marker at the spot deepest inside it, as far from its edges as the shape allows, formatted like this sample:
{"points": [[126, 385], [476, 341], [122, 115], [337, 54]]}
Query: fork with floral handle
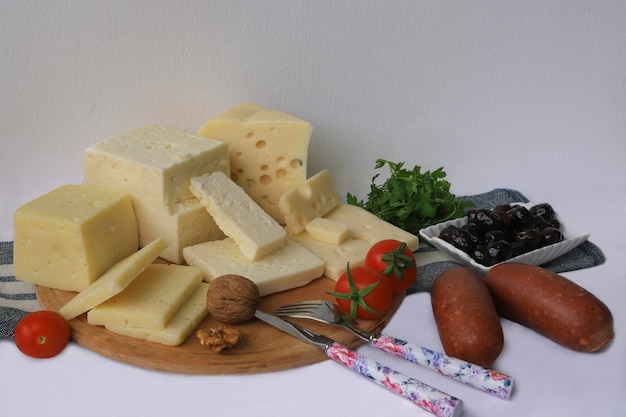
{"points": [[495, 383]]}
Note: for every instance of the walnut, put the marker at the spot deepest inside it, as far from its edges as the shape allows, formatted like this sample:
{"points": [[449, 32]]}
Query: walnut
{"points": [[219, 339], [232, 299]]}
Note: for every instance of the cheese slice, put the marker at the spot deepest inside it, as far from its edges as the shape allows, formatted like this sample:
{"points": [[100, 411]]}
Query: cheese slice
{"points": [[256, 233], [68, 238], [326, 230], [314, 198], [268, 151], [151, 300], [180, 326], [154, 162], [114, 281], [289, 267], [365, 230]]}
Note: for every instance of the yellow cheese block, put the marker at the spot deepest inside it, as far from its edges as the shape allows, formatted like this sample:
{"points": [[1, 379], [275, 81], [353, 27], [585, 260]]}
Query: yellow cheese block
{"points": [[268, 151], [289, 267], [326, 230], [180, 326], [69, 237], [365, 230], [256, 233], [114, 281], [314, 198], [151, 300]]}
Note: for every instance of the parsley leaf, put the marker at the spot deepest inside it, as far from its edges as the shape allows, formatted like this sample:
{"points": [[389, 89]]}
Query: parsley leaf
{"points": [[411, 199]]}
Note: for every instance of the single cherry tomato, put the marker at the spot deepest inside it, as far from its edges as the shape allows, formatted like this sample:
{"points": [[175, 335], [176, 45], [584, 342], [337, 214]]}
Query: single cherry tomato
{"points": [[42, 334], [363, 292], [396, 261]]}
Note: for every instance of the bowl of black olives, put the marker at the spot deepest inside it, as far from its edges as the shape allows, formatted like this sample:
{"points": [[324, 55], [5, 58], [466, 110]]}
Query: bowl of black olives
{"points": [[528, 233]]}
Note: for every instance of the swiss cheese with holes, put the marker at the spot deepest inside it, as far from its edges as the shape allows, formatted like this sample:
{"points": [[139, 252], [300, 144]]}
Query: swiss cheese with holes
{"points": [[268, 151]]}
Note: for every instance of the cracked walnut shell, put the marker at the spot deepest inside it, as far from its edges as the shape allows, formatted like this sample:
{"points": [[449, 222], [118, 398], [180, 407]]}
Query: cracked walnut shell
{"points": [[232, 299]]}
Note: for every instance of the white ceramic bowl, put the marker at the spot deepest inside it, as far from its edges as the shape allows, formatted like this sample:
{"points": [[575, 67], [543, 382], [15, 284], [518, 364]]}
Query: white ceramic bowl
{"points": [[535, 257]]}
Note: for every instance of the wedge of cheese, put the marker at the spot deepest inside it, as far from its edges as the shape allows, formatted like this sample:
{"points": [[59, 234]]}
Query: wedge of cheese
{"points": [[365, 230], [256, 233], [180, 326], [268, 151], [150, 300], [314, 198], [114, 281], [289, 267], [154, 164], [68, 238]]}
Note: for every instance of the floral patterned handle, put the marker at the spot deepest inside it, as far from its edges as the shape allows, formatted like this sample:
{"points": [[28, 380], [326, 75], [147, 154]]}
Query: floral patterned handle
{"points": [[471, 374], [430, 399]]}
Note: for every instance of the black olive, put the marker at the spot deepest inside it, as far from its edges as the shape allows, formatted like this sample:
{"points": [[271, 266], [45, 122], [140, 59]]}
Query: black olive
{"points": [[502, 207], [539, 222], [521, 218], [457, 237], [551, 235], [518, 248], [493, 235], [496, 252], [478, 254], [531, 238], [544, 210], [474, 233], [487, 220]]}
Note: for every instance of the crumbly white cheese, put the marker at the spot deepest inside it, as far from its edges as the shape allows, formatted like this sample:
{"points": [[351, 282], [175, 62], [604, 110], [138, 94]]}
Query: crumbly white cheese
{"points": [[289, 267], [256, 233], [326, 230]]}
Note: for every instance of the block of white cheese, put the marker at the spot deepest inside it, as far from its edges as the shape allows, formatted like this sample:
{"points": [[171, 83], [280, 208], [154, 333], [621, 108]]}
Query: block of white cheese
{"points": [[180, 224], [180, 326], [314, 198], [68, 238], [268, 151], [289, 267], [114, 280], [365, 230], [150, 300], [327, 230], [256, 233], [154, 161], [154, 164]]}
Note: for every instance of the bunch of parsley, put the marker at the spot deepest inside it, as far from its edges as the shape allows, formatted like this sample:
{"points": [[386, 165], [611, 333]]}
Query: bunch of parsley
{"points": [[411, 199]]}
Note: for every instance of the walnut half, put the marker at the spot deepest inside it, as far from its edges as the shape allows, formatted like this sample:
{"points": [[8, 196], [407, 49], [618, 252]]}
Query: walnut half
{"points": [[219, 339]]}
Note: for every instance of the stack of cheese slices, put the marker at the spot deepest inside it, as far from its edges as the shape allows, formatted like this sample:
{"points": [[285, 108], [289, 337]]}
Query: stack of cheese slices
{"points": [[232, 199]]}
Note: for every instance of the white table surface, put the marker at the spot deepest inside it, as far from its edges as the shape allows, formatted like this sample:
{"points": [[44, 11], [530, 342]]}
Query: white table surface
{"points": [[501, 94]]}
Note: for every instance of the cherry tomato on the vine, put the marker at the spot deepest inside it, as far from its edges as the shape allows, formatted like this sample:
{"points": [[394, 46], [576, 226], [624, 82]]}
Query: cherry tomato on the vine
{"points": [[396, 261], [363, 293], [42, 334]]}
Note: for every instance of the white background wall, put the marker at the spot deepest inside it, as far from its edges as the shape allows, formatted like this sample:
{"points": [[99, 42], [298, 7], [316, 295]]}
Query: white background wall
{"points": [[523, 94]]}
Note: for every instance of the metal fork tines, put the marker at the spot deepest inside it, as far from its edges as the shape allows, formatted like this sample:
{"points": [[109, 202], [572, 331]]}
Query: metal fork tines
{"points": [[325, 312], [495, 383]]}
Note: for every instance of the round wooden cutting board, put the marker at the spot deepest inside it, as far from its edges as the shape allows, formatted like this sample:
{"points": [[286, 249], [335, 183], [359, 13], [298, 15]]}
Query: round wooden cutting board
{"points": [[261, 349]]}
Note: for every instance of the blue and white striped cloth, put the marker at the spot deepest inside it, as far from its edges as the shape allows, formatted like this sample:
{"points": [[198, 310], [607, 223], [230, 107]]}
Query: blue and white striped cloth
{"points": [[18, 298]]}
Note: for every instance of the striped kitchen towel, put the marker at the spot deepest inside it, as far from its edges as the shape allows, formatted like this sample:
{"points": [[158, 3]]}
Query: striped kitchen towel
{"points": [[17, 298]]}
